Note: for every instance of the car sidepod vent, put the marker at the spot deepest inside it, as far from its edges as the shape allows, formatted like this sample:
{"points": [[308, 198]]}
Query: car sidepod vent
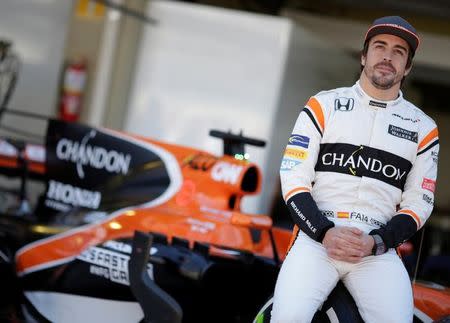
{"points": [[201, 248], [194, 266], [159, 238], [250, 180], [180, 242]]}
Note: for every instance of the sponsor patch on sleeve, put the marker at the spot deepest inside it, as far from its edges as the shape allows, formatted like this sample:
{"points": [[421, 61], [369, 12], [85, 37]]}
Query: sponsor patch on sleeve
{"points": [[428, 199], [295, 153], [429, 184], [298, 140], [289, 164], [434, 155]]}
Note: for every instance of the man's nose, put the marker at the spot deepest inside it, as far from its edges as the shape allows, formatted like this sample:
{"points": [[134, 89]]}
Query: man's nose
{"points": [[387, 56]]}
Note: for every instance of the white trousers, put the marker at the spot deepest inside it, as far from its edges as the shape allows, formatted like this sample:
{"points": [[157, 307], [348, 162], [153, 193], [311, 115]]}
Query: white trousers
{"points": [[379, 285]]}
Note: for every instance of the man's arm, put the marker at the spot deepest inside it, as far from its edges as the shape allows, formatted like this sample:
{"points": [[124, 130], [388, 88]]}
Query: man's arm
{"points": [[297, 170], [418, 194]]}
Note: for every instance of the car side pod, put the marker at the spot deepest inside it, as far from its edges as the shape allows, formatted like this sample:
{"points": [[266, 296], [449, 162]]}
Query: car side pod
{"points": [[158, 306]]}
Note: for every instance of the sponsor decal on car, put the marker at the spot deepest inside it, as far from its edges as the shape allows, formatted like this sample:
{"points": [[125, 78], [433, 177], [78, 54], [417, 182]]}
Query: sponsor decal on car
{"points": [[118, 245], [124, 247], [295, 153], [83, 154], [109, 264], [289, 164], [344, 104], [60, 195], [200, 226], [298, 140], [221, 213], [403, 133], [226, 173], [200, 161], [429, 184], [85, 160]]}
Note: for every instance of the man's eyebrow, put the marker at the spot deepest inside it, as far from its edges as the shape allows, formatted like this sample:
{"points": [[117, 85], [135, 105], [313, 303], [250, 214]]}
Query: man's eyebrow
{"points": [[380, 42]]}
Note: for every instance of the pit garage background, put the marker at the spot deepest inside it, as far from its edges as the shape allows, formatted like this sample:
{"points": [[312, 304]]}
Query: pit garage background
{"points": [[173, 70]]}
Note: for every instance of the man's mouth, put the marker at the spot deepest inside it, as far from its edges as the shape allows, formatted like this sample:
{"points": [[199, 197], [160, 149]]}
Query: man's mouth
{"points": [[385, 68]]}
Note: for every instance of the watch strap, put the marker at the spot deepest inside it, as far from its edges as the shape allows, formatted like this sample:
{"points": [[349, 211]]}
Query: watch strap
{"points": [[379, 246]]}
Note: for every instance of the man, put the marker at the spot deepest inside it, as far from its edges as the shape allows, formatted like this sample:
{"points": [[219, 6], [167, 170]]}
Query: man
{"points": [[358, 176]]}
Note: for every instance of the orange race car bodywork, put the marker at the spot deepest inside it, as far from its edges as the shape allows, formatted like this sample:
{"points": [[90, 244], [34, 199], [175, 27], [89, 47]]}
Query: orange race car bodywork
{"points": [[205, 208], [197, 202]]}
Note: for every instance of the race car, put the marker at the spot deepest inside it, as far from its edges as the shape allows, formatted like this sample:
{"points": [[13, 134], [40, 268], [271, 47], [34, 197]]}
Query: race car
{"points": [[130, 229]]}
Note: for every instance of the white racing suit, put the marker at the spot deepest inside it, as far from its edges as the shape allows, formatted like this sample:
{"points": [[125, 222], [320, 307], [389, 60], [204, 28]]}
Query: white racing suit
{"points": [[355, 161]]}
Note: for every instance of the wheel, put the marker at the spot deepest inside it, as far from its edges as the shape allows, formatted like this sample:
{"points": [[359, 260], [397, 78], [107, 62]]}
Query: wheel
{"points": [[338, 308]]}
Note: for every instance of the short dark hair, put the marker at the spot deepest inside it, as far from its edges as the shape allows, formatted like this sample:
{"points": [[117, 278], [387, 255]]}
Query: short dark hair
{"points": [[397, 26]]}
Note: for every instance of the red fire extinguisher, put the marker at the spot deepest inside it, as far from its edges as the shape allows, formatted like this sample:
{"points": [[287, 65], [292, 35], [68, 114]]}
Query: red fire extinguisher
{"points": [[74, 80]]}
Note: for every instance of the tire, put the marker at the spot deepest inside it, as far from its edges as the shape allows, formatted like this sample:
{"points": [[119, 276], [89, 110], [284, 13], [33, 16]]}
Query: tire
{"points": [[338, 308]]}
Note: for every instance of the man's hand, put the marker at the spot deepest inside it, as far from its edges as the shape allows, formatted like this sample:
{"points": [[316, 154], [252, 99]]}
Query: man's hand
{"points": [[347, 244], [367, 244]]}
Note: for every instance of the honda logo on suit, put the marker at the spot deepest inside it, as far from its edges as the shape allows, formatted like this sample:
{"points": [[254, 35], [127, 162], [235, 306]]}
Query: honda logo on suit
{"points": [[344, 104]]}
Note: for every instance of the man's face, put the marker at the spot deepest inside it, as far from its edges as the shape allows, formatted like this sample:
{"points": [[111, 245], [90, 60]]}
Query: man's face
{"points": [[385, 61]]}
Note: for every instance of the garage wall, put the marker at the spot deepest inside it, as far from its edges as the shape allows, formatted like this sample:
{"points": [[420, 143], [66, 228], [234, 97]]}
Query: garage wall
{"points": [[313, 65], [348, 35], [38, 30], [205, 67]]}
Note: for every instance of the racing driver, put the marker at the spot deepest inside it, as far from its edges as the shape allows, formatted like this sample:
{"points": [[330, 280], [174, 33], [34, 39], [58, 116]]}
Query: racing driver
{"points": [[358, 176]]}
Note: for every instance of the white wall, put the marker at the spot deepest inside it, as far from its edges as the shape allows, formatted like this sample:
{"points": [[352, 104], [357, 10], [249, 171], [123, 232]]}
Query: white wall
{"points": [[204, 67], [38, 30], [434, 50], [83, 41], [313, 65]]}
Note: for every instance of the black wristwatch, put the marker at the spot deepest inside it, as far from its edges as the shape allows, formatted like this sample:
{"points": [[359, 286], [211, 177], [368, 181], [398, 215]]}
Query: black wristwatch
{"points": [[379, 247]]}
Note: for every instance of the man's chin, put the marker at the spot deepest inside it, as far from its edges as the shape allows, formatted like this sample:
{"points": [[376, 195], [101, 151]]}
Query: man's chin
{"points": [[382, 84]]}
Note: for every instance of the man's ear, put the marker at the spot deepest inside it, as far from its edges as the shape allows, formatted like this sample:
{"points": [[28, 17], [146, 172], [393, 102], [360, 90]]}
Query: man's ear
{"points": [[363, 60], [407, 70]]}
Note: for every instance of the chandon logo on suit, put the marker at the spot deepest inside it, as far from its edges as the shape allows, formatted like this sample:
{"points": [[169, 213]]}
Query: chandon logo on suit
{"points": [[344, 104], [364, 161]]}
